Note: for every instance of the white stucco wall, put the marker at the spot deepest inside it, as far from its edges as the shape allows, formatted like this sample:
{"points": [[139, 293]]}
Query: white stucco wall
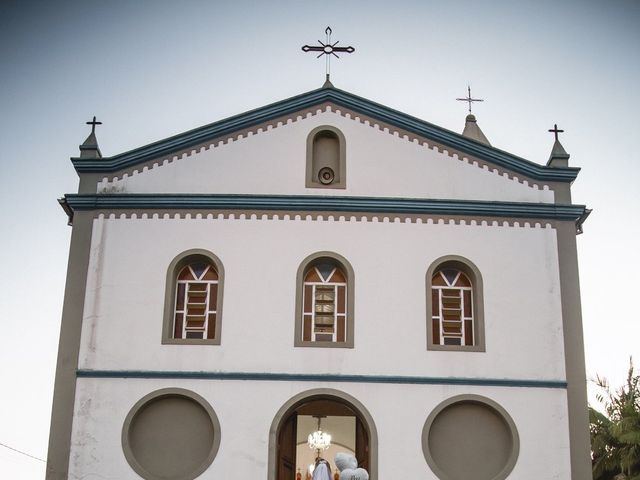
{"points": [[379, 164], [126, 288], [247, 409], [126, 285]]}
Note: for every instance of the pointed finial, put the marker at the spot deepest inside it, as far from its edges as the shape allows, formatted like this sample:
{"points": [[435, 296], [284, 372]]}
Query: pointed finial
{"points": [[90, 149], [559, 156], [473, 131], [327, 83]]}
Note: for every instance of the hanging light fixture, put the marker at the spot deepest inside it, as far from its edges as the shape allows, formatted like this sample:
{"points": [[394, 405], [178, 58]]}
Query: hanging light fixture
{"points": [[319, 440]]}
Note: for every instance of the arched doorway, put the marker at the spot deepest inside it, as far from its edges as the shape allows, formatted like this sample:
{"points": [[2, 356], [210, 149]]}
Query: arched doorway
{"points": [[352, 425]]}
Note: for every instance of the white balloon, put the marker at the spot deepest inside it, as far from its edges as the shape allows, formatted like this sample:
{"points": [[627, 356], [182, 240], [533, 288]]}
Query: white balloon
{"points": [[345, 460], [354, 474], [347, 474]]}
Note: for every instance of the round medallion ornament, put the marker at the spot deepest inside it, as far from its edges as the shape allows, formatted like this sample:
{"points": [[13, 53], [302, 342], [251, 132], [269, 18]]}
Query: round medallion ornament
{"points": [[171, 434], [470, 436], [326, 176]]}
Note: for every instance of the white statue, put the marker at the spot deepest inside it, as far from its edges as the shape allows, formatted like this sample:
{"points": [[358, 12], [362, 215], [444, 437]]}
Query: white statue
{"points": [[348, 466]]}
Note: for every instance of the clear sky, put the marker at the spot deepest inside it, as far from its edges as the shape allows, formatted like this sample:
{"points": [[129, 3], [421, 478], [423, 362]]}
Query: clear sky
{"points": [[151, 69]]}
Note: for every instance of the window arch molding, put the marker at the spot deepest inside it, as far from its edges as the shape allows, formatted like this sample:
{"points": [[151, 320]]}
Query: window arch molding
{"points": [[309, 262], [314, 164], [179, 262], [473, 273]]}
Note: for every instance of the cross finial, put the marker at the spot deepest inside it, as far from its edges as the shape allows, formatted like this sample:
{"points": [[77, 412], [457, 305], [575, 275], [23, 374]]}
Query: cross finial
{"points": [[469, 99], [327, 48], [93, 124], [556, 131]]}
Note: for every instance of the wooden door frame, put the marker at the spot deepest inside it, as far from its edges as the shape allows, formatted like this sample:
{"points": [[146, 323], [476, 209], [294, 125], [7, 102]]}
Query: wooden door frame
{"points": [[329, 394]]}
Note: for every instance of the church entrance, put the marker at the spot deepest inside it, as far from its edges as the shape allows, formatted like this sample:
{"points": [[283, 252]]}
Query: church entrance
{"points": [[349, 425]]}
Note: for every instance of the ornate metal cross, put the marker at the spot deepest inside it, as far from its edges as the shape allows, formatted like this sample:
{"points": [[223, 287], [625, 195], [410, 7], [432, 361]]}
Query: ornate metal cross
{"points": [[93, 124], [469, 99], [327, 48], [556, 131]]}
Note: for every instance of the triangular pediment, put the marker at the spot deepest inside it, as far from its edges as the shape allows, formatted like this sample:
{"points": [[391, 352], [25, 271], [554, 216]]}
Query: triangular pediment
{"points": [[339, 100], [381, 161]]}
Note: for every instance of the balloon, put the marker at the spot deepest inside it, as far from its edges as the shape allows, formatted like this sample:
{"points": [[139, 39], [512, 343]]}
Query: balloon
{"points": [[354, 474], [345, 460]]}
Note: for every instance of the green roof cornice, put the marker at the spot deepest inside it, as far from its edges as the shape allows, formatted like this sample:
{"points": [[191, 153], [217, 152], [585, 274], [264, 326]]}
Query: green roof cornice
{"points": [[309, 203], [361, 105]]}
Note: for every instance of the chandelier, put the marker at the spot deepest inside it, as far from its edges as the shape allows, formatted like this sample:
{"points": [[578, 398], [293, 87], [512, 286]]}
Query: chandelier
{"points": [[319, 440]]}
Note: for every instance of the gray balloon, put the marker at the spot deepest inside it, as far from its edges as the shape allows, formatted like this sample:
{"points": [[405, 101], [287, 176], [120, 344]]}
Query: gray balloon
{"points": [[345, 460], [354, 474]]}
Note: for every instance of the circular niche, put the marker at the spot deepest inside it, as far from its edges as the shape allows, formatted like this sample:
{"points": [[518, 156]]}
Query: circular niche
{"points": [[171, 434], [469, 436]]}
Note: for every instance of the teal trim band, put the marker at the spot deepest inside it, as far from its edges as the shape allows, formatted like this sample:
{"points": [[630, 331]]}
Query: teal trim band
{"points": [[361, 105], [549, 211], [322, 377]]}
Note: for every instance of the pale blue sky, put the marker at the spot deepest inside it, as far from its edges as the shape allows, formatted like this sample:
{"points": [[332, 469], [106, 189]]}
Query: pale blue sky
{"points": [[150, 69]]}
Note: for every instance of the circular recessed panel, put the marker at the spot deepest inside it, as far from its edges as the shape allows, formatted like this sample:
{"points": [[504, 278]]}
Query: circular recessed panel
{"points": [[171, 434], [466, 437], [326, 175]]}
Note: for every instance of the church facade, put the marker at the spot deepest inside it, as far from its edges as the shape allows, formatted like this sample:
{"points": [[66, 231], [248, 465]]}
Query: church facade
{"points": [[321, 263]]}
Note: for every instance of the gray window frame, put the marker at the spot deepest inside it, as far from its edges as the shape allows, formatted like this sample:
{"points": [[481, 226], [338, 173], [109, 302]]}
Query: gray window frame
{"points": [[466, 266], [307, 263], [176, 265]]}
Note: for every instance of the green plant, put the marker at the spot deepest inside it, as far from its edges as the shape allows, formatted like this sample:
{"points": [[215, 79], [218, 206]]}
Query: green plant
{"points": [[615, 434]]}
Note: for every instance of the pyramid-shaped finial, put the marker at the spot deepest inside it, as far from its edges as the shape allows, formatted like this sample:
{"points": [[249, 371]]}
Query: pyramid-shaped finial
{"points": [[472, 130], [559, 156], [89, 148]]}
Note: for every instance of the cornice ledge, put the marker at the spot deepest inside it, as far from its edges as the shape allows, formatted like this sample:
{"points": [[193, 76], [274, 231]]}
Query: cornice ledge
{"points": [[120, 201]]}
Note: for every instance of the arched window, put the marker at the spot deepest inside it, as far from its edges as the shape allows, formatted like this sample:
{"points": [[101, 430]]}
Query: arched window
{"points": [[193, 306], [324, 312], [454, 306], [326, 166]]}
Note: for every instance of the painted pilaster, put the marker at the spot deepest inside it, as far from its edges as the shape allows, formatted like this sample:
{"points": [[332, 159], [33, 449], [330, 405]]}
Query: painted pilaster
{"points": [[68, 348], [89, 182], [574, 352], [561, 193]]}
